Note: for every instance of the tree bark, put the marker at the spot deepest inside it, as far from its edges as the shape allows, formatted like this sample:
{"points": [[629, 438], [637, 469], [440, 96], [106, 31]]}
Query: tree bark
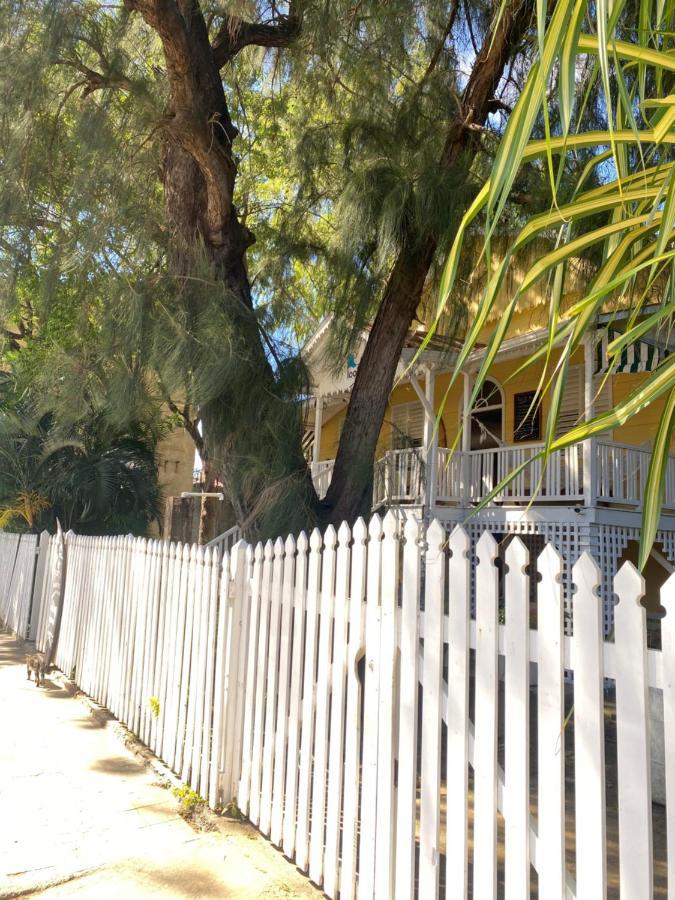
{"points": [[350, 491], [199, 173]]}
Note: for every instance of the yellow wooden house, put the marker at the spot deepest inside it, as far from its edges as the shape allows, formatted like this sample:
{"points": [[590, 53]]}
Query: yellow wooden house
{"points": [[588, 497]]}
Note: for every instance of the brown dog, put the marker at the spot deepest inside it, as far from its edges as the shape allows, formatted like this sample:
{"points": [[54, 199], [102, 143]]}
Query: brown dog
{"points": [[36, 662]]}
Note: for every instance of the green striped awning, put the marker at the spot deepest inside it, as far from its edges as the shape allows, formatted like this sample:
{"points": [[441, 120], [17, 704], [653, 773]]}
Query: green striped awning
{"points": [[637, 357]]}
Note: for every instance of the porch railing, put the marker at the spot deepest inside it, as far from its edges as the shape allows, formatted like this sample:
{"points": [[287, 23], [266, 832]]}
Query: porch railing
{"points": [[622, 471], [619, 475], [559, 480], [449, 475], [322, 472], [399, 478]]}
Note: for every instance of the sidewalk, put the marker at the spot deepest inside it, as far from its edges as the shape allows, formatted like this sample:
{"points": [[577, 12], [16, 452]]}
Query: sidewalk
{"points": [[81, 816]]}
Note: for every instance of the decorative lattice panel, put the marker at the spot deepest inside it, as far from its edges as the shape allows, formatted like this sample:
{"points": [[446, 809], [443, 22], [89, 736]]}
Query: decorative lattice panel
{"points": [[606, 543], [569, 538]]}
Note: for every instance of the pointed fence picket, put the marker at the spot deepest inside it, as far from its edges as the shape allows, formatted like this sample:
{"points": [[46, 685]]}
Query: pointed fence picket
{"points": [[322, 701], [337, 710], [632, 735], [432, 676], [485, 740], [551, 735], [589, 742], [17, 571], [307, 710], [282, 704], [371, 689], [354, 699], [406, 812], [457, 716], [294, 722], [325, 685], [517, 724]]}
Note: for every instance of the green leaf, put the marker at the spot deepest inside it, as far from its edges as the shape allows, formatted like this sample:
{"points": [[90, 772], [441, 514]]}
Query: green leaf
{"points": [[656, 480]]}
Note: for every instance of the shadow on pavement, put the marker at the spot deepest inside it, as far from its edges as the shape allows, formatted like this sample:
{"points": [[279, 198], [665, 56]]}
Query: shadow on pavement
{"points": [[118, 765], [12, 650]]}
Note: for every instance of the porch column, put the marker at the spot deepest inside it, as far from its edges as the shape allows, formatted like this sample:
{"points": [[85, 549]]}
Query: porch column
{"points": [[466, 438], [430, 440], [318, 419], [589, 447]]}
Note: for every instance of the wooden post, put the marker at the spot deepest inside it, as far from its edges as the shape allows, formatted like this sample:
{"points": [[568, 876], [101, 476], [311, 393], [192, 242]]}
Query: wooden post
{"points": [[318, 422], [589, 446], [466, 440], [430, 443]]}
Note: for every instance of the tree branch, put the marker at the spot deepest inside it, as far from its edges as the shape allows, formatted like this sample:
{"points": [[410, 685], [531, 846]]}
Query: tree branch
{"points": [[497, 105], [436, 55], [478, 98], [189, 424], [234, 34]]}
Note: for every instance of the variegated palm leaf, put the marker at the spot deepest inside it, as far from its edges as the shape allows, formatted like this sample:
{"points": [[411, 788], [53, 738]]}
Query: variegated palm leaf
{"points": [[629, 213]]}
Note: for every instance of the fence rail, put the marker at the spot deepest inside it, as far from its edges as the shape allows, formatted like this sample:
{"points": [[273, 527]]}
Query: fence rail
{"points": [[342, 688]]}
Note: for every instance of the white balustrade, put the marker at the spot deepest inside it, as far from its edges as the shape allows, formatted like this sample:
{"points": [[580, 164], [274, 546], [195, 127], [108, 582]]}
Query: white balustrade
{"points": [[621, 475], [622, 471], [559, 478], [399, 478], [322, 472], [449, 478]]}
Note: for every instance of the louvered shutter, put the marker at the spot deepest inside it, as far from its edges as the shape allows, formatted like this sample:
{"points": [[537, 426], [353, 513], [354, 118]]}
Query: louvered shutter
{"points": [[407, 425], [572, 405], [602, 394]]}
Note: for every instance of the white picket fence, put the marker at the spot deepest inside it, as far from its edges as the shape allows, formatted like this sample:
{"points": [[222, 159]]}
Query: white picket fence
{"points": [[153, 631], [340, 689], [17, 570]]}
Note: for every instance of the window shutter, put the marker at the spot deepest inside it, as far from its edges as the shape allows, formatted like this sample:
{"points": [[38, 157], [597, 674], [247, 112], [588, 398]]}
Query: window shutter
{"points": [[602, 394], [572, 405], [407, 425]]}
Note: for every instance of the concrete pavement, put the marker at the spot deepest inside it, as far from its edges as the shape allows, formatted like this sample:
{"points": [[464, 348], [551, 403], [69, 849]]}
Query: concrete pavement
{"points": [[81, 816]]}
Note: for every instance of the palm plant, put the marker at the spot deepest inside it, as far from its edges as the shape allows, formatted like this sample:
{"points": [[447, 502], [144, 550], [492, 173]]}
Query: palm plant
{"points": [[93, 482], [599, 100]]}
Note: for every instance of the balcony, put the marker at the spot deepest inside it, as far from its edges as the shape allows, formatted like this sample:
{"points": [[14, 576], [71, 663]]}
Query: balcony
{"points": [[616, 476]]}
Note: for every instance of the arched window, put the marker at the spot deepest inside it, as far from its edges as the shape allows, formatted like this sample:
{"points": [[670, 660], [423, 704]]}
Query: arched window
{"points": [[487, 417]]}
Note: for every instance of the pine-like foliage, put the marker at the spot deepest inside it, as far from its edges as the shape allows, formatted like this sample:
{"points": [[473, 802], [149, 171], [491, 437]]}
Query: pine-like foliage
{"points": [[338, 152]]}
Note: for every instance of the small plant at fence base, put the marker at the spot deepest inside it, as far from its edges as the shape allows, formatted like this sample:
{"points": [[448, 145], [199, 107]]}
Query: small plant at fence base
{"points": [[232, 811], [192, 807]]}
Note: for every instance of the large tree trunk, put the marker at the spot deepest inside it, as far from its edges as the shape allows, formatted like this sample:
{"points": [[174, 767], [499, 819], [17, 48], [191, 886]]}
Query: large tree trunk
{"points": [[199, 171], [350, 491]]}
